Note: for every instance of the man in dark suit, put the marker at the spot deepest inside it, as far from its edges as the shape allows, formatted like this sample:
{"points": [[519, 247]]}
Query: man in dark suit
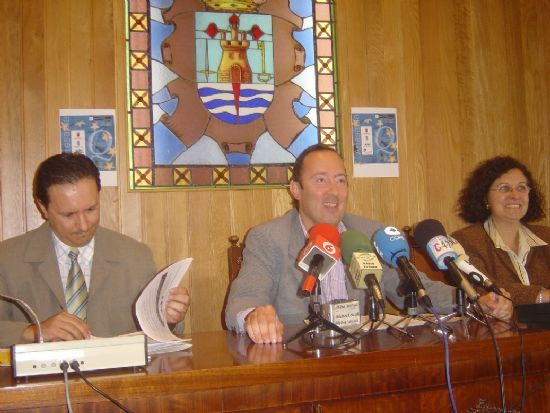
{"points": [[264, 296], [79, 278]]}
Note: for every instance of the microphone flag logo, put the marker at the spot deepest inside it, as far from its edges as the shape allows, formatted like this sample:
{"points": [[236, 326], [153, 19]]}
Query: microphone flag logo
{"points": [[329, 247]]}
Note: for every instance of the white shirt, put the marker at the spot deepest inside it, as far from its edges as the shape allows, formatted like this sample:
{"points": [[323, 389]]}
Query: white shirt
{"points": [[526, 240], [85, 259]]}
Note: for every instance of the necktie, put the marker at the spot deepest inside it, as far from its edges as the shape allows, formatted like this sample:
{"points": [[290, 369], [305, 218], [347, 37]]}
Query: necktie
{"points": [[76, 293]]}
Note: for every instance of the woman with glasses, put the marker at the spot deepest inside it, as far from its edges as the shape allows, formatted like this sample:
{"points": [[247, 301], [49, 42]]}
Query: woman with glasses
{"points": [[500, 200]]}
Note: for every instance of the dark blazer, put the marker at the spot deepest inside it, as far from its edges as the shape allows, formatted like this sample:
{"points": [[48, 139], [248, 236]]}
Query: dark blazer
{"points": [[269, 274], [29, 271], [496, 264]]}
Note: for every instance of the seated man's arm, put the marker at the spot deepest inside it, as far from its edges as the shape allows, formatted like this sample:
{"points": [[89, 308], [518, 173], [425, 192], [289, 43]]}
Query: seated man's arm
{"points": [[18, 326], [60, 327], [263, 325], [254, 289]]}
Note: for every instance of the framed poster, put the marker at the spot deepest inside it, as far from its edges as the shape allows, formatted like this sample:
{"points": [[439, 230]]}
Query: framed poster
{"points": [[226, 94], [374, 138], [92, 133]]}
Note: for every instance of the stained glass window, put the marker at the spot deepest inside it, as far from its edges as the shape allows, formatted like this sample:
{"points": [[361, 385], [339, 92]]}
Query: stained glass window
{"points": [[226, 94]]}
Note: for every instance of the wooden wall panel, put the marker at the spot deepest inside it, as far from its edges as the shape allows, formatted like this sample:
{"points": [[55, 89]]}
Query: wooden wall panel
{"points": [[394, 70], [34, 101], [470, 79], [102, 90], [441, 123], [57, 43], [358, 44], [12, 198], [411, 120], [534, 142]]}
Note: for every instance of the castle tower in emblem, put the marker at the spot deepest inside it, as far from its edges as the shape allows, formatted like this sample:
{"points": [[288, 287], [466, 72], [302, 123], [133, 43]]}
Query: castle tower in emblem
{"points": [[234, 67]]}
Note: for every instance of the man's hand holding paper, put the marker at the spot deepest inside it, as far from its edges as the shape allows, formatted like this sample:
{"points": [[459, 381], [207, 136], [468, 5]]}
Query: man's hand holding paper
{"points": [[163, 302], [177, 305]]}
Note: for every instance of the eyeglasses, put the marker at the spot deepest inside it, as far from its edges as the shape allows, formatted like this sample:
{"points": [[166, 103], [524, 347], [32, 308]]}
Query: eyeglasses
{"points": [[506, 188]]}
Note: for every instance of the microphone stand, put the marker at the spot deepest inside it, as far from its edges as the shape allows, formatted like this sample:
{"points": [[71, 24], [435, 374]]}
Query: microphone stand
{"points": [[374, 316], [29, 311], [463, 311], [415, 312], [317, 322]]}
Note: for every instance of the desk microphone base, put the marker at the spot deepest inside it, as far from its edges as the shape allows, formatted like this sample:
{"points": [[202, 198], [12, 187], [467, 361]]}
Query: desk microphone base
{"points": [[93, 354]]}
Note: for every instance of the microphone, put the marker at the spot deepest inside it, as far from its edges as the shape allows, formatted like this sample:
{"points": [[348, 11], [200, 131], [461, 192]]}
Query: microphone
{"points": [[476, 276], [29, 311], [430, 235], [363, 264], [312, 275], [394, 249], [319, 256]]}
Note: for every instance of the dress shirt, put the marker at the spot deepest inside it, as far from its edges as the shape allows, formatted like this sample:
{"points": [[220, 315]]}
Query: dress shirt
{"points": [[85, 259], [527, 240]]}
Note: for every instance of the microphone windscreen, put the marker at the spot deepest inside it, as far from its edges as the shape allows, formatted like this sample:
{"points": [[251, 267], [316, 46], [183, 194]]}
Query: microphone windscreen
{"points": [[391, 245], [353, 241], [432, 238], [327, 231], [426, 230]]}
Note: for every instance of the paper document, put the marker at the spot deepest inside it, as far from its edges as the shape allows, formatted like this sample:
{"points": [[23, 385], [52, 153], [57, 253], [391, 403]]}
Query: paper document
{"points": [[157, 347], [152, 301]]}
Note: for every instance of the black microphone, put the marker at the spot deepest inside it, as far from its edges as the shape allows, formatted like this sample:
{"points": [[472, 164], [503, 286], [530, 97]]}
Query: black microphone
{"points": [[430, 235], [29, 311]]}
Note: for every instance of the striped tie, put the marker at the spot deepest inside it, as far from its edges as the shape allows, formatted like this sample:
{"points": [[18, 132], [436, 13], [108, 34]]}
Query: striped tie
{"points": [[76, 293]]}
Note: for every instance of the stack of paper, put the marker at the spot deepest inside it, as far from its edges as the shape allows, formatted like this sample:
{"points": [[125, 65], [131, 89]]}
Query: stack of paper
{"points": [[150, 309], [159, 347]]}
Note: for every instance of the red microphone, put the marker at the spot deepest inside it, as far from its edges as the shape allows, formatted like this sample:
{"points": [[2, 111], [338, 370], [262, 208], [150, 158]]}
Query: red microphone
{"points": [[320, 254]]}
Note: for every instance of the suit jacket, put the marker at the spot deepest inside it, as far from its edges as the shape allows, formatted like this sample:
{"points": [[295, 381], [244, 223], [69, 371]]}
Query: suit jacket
{"points": [[269, 274], [29, 271], [496, 264]]}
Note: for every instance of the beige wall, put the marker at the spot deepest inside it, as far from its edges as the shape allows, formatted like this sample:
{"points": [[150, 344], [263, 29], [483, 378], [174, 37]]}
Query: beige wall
{"points": [[470, 79]]}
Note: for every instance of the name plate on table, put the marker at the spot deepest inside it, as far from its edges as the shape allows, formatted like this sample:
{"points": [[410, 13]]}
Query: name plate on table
{"points": [[343, 313]]}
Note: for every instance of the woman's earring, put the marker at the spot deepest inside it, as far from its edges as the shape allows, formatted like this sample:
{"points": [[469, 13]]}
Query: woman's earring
{"points": [[487, 206]]}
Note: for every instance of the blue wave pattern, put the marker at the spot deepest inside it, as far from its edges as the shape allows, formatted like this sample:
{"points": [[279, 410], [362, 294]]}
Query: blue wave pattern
{"points": [[217, 103], [218, 98]]}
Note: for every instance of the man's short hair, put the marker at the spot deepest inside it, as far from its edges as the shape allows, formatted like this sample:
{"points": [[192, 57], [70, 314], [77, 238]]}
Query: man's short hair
{"points": [[299, 163], [63, 168]]}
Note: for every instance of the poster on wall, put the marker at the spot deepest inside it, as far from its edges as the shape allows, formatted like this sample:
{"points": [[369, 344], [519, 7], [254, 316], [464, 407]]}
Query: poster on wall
{"points": [[92, 133], [374, 142], [226, 94]]}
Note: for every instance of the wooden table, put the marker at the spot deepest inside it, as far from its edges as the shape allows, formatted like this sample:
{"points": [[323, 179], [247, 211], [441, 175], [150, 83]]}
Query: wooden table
{"points": [[226, 372]]}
